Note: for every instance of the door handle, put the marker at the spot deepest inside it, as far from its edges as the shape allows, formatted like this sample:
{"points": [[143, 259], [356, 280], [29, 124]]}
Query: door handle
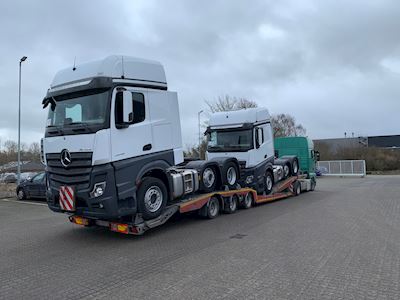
{"points": [[147, 147], [265, 156]]}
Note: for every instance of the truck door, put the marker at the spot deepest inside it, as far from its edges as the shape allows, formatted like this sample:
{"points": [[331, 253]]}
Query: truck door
{"points": [[131, 134], [264, 144]]}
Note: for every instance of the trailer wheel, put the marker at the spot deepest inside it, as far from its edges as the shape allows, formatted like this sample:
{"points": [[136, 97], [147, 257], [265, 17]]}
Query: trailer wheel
{"points": [[208, 179], [248, 200], [231, 174], [269, 182], [211, 209], [151, 197], [296, 188], [231, 204]]}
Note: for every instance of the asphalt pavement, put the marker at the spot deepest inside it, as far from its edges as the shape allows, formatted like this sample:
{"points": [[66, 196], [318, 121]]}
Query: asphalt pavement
{"points": [[341, 241]]}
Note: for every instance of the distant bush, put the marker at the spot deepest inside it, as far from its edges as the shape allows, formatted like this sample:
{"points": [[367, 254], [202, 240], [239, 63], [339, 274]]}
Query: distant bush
{"points": [[377, 159]]}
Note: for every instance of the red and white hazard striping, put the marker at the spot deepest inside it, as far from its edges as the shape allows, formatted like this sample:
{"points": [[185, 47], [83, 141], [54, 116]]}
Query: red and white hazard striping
{"points": [[67, 198]]}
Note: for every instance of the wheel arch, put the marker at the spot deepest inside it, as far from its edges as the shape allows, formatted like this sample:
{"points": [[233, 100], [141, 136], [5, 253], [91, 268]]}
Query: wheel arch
{"points": [[155, 169]]}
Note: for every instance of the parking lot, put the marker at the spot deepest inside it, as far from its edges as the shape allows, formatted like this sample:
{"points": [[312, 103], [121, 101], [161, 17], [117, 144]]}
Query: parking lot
{"points": [[340, 241]]}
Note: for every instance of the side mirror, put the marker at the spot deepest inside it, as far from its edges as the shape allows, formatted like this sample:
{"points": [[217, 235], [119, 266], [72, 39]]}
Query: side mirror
{"points": [[127, 105], [123, 109], [259, 137], [317, 155]]}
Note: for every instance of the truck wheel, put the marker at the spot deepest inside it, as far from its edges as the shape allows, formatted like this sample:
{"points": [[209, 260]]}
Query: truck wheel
{"points": [[295, 167], [152, 197], [248, 200], [313, 184], [209, 179], [211, 209], [231, 175], [296, 188], [286, 171], [269, 182], [231, 204]]}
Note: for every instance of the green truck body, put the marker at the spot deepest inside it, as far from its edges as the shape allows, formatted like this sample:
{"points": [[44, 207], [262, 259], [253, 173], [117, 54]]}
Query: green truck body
{"points": [[300, 146]]}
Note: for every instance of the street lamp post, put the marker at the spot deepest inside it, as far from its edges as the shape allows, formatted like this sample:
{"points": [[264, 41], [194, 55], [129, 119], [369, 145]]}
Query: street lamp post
{"points": [[198, 117], [19, 121]]}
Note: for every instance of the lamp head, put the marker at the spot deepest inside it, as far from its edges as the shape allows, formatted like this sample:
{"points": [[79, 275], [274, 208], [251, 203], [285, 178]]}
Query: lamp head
{"points": [[23, 58]]}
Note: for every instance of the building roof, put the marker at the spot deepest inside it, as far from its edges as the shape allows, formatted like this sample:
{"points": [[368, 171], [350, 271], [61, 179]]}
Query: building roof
{"points": [[384, 141]]}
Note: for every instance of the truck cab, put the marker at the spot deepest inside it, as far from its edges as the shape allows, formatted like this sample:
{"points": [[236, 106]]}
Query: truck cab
{"points": [[303, 148], [110, 122], [247, 136]]}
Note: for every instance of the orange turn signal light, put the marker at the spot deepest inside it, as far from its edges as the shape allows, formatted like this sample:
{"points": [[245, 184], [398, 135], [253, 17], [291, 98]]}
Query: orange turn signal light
{"points": [[118, 227], [79, 220]]}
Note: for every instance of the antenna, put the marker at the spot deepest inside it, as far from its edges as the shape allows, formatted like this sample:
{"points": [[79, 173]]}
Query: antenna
{"points": [[74, 68], [123, 71]]}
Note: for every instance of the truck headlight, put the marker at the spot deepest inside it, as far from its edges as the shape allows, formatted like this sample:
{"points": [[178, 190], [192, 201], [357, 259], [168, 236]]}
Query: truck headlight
{"points": [[98, 189]]}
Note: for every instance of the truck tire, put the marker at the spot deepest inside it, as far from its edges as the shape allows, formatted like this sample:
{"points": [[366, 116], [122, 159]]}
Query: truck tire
{"points": [[286, 170], [210, 210], [295, 167], [296, 188], [231, 204], [208, 179], [152, 197], [231, 175], [313, 184], [247, 200], [269, 182]]}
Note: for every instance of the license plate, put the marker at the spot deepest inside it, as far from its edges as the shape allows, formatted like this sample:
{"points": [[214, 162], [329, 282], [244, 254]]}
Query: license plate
{"points": [[67, 198]]}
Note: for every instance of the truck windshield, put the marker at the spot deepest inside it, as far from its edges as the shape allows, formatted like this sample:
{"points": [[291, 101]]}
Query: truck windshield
{"points": [[230, 141], [84, 108]]}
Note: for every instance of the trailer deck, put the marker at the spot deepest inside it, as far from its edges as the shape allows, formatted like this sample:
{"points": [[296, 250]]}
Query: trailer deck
{"points": [[284, 189]]}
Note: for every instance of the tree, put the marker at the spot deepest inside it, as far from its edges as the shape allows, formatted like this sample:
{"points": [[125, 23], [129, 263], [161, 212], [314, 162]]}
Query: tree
{"points": [[228, 103], [285, 125]]}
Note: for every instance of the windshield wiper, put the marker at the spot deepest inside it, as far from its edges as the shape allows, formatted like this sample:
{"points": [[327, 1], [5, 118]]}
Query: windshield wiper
{"points": [[56, 127], [83, 124]]}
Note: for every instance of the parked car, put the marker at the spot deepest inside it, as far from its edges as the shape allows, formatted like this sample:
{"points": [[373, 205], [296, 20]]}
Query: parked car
{"points": [[32, 188], [320, 170], [10, 178], [27, 175]]}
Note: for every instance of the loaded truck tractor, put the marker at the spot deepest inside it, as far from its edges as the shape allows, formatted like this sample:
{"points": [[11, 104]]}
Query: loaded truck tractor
{"points": [[114, 157]]}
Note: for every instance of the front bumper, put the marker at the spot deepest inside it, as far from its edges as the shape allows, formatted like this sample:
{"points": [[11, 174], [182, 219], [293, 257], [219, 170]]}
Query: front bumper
{"points": [[107, 207]]}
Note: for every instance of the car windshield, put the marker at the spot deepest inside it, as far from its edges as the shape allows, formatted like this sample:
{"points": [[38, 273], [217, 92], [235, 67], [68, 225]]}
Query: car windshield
{"points": [[232, 140], [87, 108]]}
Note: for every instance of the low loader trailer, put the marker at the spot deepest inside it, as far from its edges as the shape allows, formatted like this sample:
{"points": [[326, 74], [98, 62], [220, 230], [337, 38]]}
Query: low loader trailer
{"points": [[208, 206]]}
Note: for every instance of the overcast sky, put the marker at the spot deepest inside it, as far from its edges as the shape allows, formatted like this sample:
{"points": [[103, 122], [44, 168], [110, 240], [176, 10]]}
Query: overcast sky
{"points": [[333, 65]]}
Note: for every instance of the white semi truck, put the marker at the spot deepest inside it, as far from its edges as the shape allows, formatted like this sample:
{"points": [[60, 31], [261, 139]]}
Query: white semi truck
{"points": [[114, 157]]}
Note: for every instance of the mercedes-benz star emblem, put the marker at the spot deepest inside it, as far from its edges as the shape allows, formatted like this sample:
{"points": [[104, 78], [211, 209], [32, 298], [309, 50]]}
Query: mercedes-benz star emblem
{"points": [[65, 158]]}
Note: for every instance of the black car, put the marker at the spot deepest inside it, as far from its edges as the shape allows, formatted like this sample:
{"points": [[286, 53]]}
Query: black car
{"points": [[32, 188]]}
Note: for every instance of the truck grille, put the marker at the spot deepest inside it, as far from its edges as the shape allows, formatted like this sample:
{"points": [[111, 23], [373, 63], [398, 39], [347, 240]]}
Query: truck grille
{"points": [[76, 174]]}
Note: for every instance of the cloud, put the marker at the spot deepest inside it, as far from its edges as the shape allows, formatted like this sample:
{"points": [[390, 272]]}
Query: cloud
{"points": [[332, 64]]}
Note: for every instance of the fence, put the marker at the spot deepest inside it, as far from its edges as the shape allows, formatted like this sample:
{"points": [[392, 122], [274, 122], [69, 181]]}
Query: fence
{"points": [[342, 168]]}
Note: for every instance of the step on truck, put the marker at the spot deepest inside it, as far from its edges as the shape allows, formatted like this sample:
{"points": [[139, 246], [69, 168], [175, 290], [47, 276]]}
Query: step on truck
{"points": [[114, 156]]}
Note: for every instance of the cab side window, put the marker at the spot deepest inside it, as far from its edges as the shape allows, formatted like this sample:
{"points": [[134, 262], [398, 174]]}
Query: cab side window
{"points": [[138, 113]]}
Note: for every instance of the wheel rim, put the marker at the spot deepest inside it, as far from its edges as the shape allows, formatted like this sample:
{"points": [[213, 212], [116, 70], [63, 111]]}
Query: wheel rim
{"points": [[213, 208], [233, 203], [208, 177], [153, 199], [298, 190], [286, 170], [231, 176], [21, 194], [295, 167], [248, 200], [269, 182]]}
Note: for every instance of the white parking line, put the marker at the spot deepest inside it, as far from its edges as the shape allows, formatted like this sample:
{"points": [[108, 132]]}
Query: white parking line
{"points": [[23, 202]]}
